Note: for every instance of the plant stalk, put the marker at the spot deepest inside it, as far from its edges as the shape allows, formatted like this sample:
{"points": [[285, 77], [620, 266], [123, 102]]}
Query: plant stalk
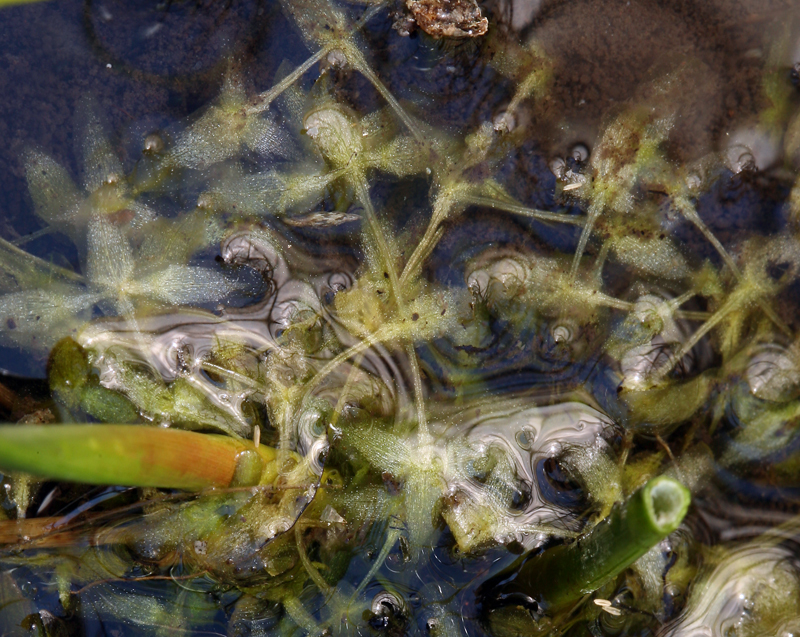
{"points": [[134, 455], [560, 576]]}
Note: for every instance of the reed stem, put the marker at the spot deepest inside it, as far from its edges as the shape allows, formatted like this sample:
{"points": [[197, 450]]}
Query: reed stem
{"points": [[562, 575], [132, 455]]}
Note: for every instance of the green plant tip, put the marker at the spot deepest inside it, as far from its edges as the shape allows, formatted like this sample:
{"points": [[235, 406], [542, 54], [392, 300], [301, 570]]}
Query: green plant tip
{"points": [[667, 501]]}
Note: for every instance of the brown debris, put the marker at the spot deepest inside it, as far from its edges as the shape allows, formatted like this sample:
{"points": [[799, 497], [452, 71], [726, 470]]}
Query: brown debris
{"points": [[18, 408], [449, 18], [321, 219]]}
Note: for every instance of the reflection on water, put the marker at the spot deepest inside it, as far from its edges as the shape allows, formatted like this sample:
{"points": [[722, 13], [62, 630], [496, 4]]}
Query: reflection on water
{"points": [[435, 283], [752, 591]]}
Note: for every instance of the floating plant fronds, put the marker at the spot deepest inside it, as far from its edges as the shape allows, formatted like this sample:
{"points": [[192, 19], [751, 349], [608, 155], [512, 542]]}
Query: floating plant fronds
{"points": [[353, 344]]}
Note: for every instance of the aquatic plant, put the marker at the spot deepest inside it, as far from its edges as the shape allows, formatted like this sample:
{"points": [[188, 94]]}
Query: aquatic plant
{"points": [[367, 381]]}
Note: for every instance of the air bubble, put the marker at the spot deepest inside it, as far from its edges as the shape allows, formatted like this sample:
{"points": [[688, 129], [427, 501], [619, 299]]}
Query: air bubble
{"points": [[558, 167], [153, 144], [504, 123], [562, 334], [337, 59], [386, 603], [772, 374], [525, 438], [579, 153], [694, 181]]}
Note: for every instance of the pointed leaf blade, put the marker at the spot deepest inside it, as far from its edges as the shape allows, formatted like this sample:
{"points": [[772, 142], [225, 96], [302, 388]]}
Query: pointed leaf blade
{"points": [[110, 256]]}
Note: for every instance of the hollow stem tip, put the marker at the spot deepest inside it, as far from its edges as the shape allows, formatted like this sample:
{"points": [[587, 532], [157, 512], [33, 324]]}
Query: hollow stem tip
{"points": [[560, 576]]}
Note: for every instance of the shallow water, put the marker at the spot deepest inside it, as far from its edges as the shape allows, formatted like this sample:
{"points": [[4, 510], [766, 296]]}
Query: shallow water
{"points": [[474, 292]]}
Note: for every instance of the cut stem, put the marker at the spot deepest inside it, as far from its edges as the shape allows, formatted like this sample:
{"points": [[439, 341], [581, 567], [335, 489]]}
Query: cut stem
{"points": [[562, 575], [130, 455]]}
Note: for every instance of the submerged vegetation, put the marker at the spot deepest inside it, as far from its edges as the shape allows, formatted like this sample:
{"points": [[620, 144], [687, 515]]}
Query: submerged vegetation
{"points": [[350, 357]]}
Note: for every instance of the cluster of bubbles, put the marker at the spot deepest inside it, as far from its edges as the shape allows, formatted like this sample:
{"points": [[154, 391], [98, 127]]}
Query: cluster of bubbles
{"points": [[450, 374]]}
